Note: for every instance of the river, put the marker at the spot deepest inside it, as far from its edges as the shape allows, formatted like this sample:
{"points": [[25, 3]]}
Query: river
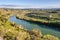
{"points": [[29, 26]]}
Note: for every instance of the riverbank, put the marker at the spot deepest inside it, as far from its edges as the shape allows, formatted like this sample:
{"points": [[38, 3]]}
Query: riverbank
{"points": [[46, 20], [40, 22]]}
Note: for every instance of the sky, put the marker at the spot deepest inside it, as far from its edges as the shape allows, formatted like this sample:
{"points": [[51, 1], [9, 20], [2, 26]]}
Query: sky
{"points": [[33, 3]]}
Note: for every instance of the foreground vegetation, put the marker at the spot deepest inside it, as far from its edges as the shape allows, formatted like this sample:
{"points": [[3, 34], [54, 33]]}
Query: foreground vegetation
{"points": [[11, 31]]}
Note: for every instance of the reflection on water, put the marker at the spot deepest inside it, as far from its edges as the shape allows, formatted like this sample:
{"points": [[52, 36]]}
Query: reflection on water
{"points": [[30, 26]]}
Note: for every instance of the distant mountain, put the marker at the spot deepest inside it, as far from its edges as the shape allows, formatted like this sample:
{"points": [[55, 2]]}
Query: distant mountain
{"points": [[25, 7], [11, 6]]}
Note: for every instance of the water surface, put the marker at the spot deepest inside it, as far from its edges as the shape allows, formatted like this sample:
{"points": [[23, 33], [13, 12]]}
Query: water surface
{"points": [[28, 25]]}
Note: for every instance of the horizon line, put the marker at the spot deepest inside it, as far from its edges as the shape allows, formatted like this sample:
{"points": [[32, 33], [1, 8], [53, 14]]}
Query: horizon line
{"points": [[26, 6]]}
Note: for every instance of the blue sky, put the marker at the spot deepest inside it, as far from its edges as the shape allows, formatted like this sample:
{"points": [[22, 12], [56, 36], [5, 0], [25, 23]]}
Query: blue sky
{"points": [[32, 3]]}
